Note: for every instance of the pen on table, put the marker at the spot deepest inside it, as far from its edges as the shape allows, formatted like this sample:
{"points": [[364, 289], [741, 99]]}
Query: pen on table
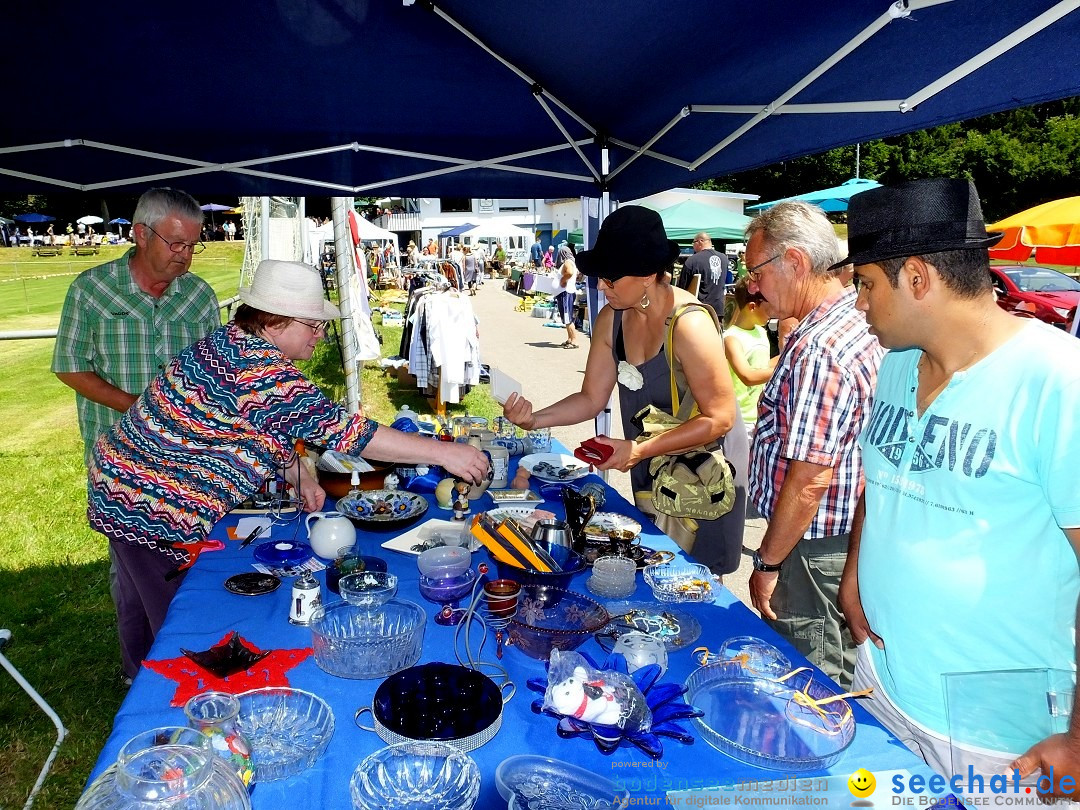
{"points": [[254, 533]]}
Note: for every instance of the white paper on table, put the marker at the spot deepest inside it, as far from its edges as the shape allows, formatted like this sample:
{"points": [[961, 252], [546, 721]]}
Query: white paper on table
{"points": [[503, 385], [246, 525]]}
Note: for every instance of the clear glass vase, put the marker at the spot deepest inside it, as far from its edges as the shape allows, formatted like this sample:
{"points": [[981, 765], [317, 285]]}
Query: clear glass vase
{"points": [[163, 769], [214, 714]]}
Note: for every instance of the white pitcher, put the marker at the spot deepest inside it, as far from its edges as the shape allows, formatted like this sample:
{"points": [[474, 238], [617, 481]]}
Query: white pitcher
{"points": [[332, 532]]}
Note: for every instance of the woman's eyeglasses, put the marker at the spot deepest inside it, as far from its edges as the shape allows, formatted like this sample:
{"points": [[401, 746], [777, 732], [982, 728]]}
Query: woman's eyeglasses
{"points": [[608, 282], [315, 326]]}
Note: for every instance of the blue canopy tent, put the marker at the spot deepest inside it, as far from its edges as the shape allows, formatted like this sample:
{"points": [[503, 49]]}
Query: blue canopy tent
{"points": [[457, 231], [615, 114], [827, 199]]}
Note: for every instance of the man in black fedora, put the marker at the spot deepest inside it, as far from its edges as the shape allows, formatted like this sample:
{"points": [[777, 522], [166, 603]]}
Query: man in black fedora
{"points": [[964, 553]]}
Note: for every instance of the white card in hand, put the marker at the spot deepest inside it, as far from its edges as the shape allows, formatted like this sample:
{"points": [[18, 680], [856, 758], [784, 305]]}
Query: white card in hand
{"points": [[503, 385]]}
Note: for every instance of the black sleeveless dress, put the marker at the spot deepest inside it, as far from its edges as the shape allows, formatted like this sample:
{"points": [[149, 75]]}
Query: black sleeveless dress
{"points": [[719, 542]]}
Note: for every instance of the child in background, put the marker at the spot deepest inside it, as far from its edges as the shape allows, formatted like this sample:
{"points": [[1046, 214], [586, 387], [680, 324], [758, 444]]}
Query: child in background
{"points": [[747, 347]]}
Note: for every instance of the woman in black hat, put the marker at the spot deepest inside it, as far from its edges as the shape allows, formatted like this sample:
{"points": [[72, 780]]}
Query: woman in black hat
{"points": [[632, 261]]}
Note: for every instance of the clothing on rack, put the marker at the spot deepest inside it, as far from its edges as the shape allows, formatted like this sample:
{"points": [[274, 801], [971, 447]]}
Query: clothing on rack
{"points": [[442, 343]]}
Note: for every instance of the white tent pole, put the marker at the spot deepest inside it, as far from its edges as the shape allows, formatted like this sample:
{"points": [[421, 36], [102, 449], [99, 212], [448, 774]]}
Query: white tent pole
{"points": [[1047, 18], [264, 228], [343, 250], [304, 242], [847, 48], [683, 113]]}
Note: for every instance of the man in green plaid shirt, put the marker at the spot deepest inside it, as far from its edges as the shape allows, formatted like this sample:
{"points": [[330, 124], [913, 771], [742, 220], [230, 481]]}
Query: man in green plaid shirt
{"points": [[124, 320]]}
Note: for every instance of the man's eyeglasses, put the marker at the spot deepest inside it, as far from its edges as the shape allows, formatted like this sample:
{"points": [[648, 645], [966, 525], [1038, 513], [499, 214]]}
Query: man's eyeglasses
{"points": [[315, 327], [177, 247], [754, 273]]}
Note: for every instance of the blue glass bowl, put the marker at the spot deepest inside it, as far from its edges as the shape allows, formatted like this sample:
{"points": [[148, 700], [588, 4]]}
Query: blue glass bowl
{"points": [[569, 560], [551, 618]]}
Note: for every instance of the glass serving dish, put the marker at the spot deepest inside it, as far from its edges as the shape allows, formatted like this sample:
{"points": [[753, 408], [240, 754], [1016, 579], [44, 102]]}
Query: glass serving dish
{"points": [[533, 782], [680, 582], [550, 618], [354, 642], [288, 729], [416, 776], [793, 725], [437, 701], [676, 628]]}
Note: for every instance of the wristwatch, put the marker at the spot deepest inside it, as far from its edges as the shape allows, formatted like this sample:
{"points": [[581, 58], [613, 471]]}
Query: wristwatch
{"points": [[761, 565]]}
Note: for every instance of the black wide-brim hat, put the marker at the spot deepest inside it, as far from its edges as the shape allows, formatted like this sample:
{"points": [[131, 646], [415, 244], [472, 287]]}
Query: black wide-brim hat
{"points": [[915, 218], [631, 242]]}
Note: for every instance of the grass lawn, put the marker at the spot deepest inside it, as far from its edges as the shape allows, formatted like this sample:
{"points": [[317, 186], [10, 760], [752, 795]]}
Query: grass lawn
{"points": [[53, 570]]}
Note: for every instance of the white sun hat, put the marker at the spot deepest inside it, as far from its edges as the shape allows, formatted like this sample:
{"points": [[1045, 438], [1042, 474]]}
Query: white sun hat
{"points": [[292, 289]]}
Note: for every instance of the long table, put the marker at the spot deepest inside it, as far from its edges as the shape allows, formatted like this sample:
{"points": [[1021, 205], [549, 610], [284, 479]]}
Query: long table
{"points": [[203, 612]]}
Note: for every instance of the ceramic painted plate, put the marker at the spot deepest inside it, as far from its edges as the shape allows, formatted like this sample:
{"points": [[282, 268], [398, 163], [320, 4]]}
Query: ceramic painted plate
{"points": [[522, 514], [555, 468], [602, 523], [383, 508], [253, 584], [283, 553]]}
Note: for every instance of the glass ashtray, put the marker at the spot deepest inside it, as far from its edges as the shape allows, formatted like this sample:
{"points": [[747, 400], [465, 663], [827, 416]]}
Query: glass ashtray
{"points": [[680, 582]]}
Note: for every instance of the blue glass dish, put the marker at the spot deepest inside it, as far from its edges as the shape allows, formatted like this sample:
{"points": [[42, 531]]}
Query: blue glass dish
{"points": [[283, 553]]}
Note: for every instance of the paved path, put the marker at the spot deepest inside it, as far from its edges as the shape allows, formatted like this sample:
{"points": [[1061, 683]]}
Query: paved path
{"points": [[529, 351]]}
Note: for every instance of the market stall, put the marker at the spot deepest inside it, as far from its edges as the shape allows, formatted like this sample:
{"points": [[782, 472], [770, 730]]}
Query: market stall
{"points": [[205, 613]]}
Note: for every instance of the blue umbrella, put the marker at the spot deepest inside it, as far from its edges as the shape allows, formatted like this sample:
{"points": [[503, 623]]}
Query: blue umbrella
{"points": [[827, 199], [34, 217], [119, 221], [212, 207]]}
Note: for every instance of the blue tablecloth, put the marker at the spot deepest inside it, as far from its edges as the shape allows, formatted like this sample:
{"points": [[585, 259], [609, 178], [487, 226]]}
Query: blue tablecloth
{"points": [[203, 612]]}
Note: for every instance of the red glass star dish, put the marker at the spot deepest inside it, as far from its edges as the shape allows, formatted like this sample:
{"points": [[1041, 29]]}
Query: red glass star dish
{"points": [[192, 679]]}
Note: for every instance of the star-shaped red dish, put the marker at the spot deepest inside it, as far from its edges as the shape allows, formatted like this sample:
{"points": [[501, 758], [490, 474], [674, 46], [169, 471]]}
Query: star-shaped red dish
{"points": [[192, 679]]}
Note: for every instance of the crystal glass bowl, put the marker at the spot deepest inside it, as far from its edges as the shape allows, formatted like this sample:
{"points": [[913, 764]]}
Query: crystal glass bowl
{"points": [[551, 618], [368, 589], [569, 561], [354, 642], [288, 729], [417, 775], [531, 781]]}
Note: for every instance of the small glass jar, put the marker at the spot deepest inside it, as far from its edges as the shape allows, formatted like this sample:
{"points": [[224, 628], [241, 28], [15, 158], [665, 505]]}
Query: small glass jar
{"points": [[214, 714]]}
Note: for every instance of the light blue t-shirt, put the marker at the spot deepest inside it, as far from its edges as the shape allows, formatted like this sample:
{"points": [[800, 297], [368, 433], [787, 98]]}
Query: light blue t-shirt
{"points": [[963, 564]]}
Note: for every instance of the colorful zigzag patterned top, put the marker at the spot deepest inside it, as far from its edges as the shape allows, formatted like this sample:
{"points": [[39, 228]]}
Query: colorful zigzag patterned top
{"points": [[204, 436]]}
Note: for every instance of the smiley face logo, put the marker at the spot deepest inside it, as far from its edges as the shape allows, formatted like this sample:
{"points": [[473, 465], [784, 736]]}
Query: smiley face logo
{"points": [[861, 783]]}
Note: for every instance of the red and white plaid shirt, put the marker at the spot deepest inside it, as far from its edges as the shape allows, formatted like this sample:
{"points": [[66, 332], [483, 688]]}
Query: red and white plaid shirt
{"points": [[813, 408]]}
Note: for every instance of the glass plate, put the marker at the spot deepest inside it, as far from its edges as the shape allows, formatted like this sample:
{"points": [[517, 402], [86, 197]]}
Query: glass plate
{"points": [[252, 584], [755, 719], [554, 467], [283, 553], [676, 628], [383, 508]]}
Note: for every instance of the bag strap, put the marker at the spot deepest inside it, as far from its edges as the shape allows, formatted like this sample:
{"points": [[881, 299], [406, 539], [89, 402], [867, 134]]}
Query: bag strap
{"points": [[683, 410]]}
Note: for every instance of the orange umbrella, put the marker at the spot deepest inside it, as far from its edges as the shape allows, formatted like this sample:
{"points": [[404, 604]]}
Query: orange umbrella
{"points": [[1052, 230]]}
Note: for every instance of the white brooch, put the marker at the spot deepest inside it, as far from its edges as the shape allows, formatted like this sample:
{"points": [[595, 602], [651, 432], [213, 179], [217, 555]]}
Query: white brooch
{"points": [[630, 376]]}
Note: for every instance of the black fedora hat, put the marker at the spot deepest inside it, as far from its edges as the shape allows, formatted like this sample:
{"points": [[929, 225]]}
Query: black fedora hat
{"points": [[915, 218], [632, 242]]}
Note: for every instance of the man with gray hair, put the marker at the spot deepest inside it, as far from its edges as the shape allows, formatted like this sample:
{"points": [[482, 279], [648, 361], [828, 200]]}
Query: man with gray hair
{"points": [[123, 320], [805, 469]]}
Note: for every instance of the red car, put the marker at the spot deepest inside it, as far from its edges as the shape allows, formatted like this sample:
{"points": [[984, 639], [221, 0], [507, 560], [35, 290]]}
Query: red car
{"points": [[1036, 292]]}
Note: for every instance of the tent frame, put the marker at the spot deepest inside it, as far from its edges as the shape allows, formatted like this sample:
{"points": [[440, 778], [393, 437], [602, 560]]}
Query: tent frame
{"points": [[898, 10]]}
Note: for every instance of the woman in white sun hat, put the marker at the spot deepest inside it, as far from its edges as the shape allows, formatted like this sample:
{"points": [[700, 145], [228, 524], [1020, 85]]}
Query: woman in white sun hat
{"points": [[220, 419]]}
